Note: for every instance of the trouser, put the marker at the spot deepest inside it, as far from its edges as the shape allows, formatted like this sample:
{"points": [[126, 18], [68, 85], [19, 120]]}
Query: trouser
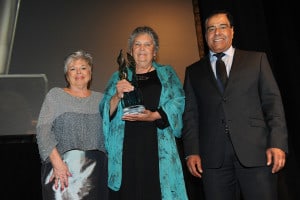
{"points": [[232, 181]]}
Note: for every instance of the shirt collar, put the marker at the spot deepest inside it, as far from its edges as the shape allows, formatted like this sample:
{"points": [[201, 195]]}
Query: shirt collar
{"points": [[228, 52]]}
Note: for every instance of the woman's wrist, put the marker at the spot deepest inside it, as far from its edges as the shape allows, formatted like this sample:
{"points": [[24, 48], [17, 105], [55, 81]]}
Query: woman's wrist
{"points": [[116, 97], [155, 115]]}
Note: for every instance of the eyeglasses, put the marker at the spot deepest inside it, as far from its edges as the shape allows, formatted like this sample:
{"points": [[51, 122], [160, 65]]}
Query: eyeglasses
{"points": [[221, 27]]}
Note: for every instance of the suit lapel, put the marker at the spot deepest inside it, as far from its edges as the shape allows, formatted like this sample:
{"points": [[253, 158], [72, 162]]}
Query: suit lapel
{"points": [[235, 69]]}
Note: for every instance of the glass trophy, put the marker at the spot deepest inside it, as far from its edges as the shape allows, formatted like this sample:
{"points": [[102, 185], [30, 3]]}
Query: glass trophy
{"points": [[132, 102]]}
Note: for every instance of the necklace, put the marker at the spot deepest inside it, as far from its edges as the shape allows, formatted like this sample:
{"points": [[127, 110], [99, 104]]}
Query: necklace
{"points": [[147, 70], [143, 76]]}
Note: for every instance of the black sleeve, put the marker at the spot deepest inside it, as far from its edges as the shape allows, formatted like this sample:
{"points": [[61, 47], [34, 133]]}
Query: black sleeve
{"points": [[163, 122]]}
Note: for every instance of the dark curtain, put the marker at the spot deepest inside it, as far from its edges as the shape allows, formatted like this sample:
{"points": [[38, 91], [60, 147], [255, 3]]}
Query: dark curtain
{"points": [[269, 26]]}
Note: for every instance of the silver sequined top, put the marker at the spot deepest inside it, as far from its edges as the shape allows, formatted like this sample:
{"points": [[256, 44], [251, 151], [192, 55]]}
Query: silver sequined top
{"points": [[67, 122]]}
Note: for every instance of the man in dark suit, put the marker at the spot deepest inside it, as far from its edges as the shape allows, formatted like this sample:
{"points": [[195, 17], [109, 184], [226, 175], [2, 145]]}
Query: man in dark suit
{"points": [[235, 135]]}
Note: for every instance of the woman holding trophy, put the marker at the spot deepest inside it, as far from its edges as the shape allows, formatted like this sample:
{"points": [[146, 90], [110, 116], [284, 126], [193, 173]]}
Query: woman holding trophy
{"points": [[143, 159]]}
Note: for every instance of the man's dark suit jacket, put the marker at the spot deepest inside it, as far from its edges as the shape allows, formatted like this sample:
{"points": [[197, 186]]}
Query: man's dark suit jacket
{"points": [[250, 106]]}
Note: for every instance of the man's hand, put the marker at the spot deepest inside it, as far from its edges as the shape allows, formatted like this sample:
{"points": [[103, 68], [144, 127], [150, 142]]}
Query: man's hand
{"points": [[193, 163], [277, 157]]}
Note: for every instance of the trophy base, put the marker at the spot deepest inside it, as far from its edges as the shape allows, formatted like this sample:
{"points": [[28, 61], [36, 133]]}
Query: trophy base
{"points": [[136, 109]]}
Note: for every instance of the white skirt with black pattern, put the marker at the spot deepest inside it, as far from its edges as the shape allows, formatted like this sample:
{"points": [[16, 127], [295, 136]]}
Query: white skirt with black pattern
{"points": [[88, 180]]}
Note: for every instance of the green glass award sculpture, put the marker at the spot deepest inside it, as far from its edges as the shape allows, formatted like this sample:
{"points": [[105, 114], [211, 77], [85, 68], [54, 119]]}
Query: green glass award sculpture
{"points": [[132, 102]]}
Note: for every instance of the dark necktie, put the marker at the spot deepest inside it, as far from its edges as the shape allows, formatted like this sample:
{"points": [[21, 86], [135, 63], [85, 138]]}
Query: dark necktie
{"points": [[221, 69]]}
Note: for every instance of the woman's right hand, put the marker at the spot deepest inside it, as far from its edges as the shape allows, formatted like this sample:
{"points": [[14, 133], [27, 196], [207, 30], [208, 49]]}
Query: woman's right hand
{"points": [[123, 86], [61, 171], [60, 175]]}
